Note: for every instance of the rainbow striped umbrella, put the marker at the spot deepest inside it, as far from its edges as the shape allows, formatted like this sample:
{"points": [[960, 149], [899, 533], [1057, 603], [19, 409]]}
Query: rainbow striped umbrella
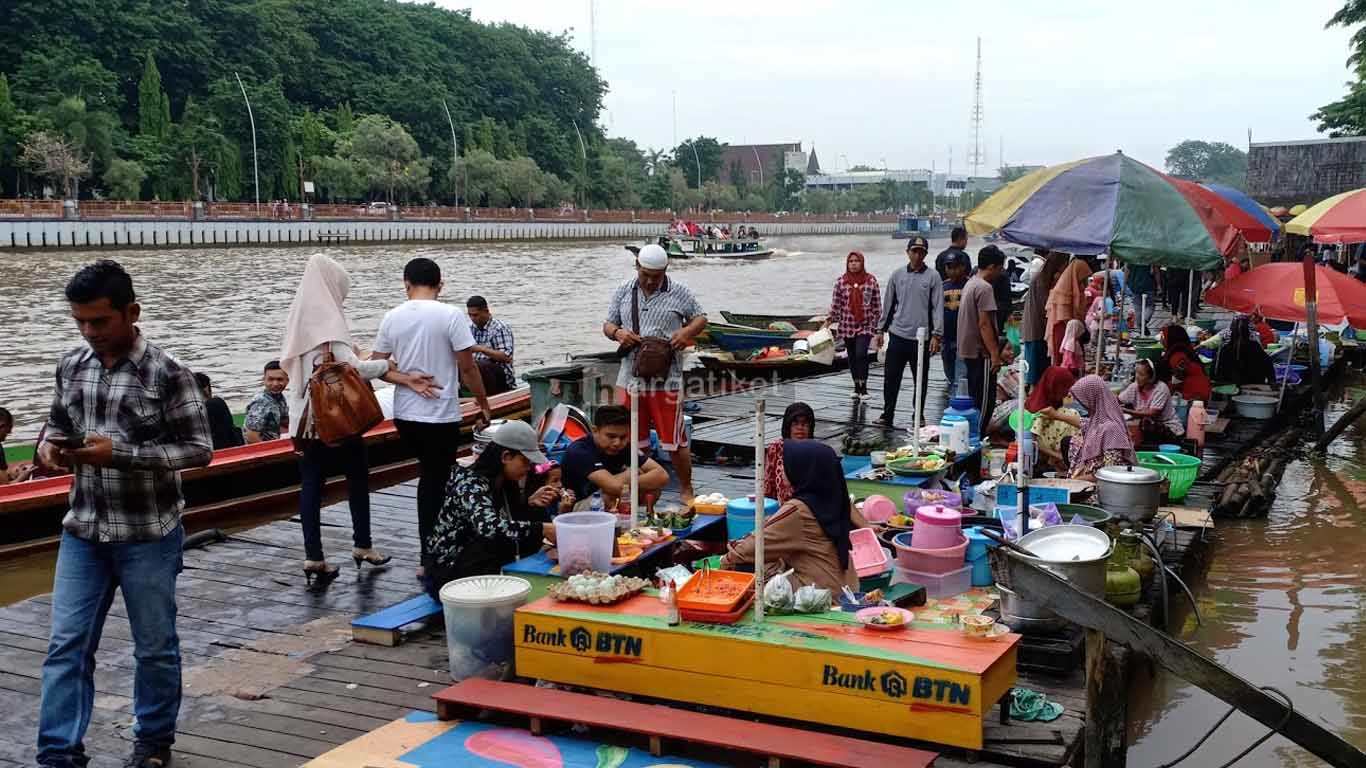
{"points": [[1110, 204], [1252, 207], [1339, 219]]}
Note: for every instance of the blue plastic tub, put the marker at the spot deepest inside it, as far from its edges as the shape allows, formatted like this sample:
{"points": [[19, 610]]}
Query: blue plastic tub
{"points": [[978, 547], [740, 516]]}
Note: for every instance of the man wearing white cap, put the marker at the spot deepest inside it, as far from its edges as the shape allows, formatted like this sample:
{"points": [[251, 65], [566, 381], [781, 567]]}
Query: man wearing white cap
{"points": [[654, 318]]}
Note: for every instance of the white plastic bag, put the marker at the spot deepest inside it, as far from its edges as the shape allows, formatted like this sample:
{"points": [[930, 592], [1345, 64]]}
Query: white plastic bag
{"points": [[822, 345], [778, 593], [811, 599]]}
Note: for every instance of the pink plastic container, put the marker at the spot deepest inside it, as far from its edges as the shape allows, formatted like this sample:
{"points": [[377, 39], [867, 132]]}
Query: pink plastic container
{"points": [[940, 560], [866, 552], [936, 527], [878, 509]]}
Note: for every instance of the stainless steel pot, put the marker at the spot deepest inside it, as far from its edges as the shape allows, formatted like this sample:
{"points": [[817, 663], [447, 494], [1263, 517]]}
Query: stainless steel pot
{"points": [[1028, 618], [1129, 492], [1076, 553]]}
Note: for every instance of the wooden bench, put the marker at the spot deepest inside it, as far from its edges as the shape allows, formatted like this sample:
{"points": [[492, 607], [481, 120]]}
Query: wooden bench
{"points": [[658, 722], [385, 627]]}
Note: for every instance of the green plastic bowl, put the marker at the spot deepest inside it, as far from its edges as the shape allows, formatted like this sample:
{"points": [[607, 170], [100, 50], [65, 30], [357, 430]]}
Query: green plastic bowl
{"points": [[1094, 516], [1014, 420], [1178, 468]]}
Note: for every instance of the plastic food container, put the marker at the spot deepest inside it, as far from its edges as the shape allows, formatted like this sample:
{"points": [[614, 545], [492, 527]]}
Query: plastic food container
{"points": [[584, 541], [866, 552], [740, 516], [941, 560], [936, 527], [936, 585], [715, 591], [479, 623], [878, 509], [1255, 406]]}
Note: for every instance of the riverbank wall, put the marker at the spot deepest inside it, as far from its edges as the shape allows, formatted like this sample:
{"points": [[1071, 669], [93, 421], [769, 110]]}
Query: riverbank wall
{"points": [[44, 234]]}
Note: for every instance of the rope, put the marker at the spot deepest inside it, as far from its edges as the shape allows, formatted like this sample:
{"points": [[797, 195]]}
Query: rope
{"points": [[1289, 711]]}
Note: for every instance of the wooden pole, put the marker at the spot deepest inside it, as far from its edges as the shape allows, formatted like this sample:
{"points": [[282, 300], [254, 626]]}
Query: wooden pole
{"points": [[759, 569], [1106, 704], [1311, 311], [1343, 423]]}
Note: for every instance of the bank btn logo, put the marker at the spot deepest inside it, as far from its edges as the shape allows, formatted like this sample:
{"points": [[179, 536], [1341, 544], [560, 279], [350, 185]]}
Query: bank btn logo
{"points": [[584, 640], [580, 639], [895, 685]]}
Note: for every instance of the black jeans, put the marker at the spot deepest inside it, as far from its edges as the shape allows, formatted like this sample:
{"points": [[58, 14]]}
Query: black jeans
{"points": [[435, 446], [857, 347], [900, 352], [317, 462], [494, 378], [982, 388]]}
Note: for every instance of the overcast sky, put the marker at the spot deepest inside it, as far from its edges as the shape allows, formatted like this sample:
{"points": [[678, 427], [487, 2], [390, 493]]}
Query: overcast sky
{"points": [[872, 81]]}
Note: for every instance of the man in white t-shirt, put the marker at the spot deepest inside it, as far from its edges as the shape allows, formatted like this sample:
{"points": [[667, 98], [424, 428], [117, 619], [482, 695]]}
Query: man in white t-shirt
{"points": [[424, 334]]}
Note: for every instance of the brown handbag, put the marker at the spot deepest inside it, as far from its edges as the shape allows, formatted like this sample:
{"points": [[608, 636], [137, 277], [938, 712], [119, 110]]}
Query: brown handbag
{"points": [[343, 404], [654, 354]]}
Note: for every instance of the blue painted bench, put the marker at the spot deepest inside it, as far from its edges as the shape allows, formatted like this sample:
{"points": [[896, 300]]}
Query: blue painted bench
{"points": [[385, 627]]}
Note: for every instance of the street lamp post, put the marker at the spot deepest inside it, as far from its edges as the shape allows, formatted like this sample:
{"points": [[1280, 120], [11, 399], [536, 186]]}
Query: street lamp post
{"points": [[696, 159], [583, 150], [255, 166], [760, 163], [455, 149]]}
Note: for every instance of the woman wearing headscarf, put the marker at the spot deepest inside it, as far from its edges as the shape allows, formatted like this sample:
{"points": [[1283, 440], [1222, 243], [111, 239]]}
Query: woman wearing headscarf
{"points": [[489, 519], [1181, 367], [1104, 439], [1052, 422], [1151, 401], [1241, 360], [799, 423], [1074, 347], [855, 307], [1066, 301], [316, 326], [810, 532]]}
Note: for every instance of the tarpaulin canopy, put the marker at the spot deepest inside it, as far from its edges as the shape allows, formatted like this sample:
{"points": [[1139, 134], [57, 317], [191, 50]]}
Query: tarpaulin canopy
{"points": [[1110, 204], [1339, 219], [1277, 291], [1250, 206]]}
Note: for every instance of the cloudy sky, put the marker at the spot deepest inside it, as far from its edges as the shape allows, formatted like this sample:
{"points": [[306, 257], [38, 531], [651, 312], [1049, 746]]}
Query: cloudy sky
{"points": [[869, 82]]}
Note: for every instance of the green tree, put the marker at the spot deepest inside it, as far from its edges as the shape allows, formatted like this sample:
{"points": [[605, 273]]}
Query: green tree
{"points": [[482, 176], [818, 201], [50, 155], [154, 108], [90, 132], [525, 183], [388, 157], [1009, 173], [658, 194], [1347, 116], [196, 143], [788, 187], [124, 179], [1208, 161], [10, 135], [702, 153]]}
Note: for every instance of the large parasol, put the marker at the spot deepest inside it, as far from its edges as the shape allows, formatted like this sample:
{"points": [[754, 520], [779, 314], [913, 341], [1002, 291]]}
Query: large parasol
{"points": [[1277, 291], [1339, 219]]}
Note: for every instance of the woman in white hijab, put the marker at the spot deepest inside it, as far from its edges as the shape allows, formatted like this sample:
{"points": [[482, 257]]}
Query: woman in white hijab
{"points": [[316, 324]]}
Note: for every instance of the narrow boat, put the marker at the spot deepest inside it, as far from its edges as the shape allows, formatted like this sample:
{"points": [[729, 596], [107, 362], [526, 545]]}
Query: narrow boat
{"points": [[237, 480], [682, 247], [929, 227], [771, 369], [752, 338], [803, 322]]}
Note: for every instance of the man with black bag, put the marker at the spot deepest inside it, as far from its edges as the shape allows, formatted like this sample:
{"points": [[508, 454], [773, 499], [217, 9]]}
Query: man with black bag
{"points": [[653, 319]]}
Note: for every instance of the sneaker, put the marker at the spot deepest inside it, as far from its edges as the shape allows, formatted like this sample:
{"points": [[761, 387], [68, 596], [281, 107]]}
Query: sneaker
{"points": [[148, 755]]}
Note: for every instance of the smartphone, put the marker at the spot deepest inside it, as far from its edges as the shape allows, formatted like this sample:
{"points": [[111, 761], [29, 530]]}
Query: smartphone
{"points": [[70, 442]]}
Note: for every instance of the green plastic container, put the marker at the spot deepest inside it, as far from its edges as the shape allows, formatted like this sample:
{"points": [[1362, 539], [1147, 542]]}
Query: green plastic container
{"points": [[1014, 420], [1094, 516], [1148, 351], [1178, 468]]}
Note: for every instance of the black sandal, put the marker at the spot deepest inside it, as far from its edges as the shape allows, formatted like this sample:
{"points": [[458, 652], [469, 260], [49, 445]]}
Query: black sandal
{"points": [[318, 577]]}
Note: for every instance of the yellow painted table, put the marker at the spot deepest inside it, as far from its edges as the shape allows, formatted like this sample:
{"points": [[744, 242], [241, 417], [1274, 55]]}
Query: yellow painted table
{"points": [[925, 682]]}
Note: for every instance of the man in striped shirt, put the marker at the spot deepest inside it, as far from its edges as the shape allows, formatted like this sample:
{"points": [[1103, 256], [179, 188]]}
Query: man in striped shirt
{"points": [[126, 418]]}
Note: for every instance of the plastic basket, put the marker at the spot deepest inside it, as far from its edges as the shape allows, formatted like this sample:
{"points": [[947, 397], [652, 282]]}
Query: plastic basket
{"points": [[1178, 468]]}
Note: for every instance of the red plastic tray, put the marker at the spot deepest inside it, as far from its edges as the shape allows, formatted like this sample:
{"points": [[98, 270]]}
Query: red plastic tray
{"points": [[714, 617], [738, 585]]}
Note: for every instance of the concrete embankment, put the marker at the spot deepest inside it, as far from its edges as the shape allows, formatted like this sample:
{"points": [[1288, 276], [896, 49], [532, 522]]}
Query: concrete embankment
{"points": [[26, 234]]}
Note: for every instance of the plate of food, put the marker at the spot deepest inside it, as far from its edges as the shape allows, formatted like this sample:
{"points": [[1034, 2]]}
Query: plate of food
{"points": [[918, 466], [884, 618], [900, 522]]}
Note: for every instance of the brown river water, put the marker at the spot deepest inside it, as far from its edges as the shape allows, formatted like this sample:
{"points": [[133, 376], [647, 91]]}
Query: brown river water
{"points": [[1282, 600]]}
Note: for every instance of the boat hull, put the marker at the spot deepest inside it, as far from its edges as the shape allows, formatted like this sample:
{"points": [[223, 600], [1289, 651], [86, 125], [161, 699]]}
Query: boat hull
{"points": [[750, 320]]}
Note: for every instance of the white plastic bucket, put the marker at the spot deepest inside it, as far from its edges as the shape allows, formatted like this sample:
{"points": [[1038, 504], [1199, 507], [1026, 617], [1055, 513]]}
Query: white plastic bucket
{"points": [[479, 624], [584, 541]]}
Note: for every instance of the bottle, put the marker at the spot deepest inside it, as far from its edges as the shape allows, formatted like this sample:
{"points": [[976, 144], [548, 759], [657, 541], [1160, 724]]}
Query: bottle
{"points": [[595, 505], [1195, 423], [670, 598]]}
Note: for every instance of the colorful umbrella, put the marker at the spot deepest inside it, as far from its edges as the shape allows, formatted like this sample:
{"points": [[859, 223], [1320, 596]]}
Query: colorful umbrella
{"points": [[1296, 210], [1111, 204], [1277, 291], [1339, 219], [1226, 221], [1252, 207]]}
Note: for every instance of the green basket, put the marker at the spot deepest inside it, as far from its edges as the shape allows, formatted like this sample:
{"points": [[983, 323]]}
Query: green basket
{"points": [[1178, 468]]}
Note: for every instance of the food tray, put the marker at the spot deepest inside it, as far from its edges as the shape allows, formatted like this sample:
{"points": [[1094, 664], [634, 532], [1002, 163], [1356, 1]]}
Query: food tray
{"points": [[709, 509], [724, 590], [714, 617], [901, 467], [622, 588]]}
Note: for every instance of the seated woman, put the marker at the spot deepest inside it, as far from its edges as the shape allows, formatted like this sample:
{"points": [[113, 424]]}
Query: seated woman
{"points": [[810, 532], [799, 423], [1151, 401], [1103, 440], [1052, 422], [1181, 368], [1242, 360], [488, 521]]}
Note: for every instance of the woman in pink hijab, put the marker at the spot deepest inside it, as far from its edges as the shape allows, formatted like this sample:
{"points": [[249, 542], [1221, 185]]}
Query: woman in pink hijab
{"points": [[1104, 439], [316, 325]]}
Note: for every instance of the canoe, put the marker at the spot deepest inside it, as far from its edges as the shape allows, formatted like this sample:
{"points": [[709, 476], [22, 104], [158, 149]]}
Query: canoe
{"points": [[781, 369], [236, 481], [803, 322], [705, 336], [742, 340]]}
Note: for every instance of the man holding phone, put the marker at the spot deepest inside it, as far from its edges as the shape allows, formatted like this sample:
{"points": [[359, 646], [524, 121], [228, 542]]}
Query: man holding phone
{"points": [[126, 418]]}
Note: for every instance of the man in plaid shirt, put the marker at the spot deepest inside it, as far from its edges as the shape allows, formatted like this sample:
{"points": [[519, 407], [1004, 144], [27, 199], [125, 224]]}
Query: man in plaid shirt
{"points": [[493, 347], [126, 418]]}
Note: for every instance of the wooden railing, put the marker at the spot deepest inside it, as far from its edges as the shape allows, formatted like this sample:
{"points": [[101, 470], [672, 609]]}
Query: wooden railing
{"points": [[182, 210]]}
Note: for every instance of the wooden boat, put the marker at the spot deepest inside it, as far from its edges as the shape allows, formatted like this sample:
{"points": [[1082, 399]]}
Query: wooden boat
{"points": [[237, 480], [752, 338], [929, 227], [680, 247], [780, 368], [803, 322]]}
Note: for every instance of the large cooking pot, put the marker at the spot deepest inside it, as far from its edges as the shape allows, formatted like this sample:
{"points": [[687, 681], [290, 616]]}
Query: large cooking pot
{"points": [[1130, 493], [1076, 553]]}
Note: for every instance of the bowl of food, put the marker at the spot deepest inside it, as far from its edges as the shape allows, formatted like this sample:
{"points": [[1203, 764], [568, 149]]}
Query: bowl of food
{"points": [[977, 626], [885, 618], [918, 466]]}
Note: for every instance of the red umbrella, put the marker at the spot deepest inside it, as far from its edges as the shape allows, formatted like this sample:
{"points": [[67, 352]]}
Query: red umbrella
{"points": [[1222, 215], [1277, 291]]}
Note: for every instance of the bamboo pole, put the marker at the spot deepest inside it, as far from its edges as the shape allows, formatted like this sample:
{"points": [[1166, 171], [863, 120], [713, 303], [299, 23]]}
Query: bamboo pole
{"points": [[759, 569]]}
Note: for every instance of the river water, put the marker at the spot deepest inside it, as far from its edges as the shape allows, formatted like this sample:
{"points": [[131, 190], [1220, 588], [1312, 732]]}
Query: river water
{"points": [[1282, 601]]}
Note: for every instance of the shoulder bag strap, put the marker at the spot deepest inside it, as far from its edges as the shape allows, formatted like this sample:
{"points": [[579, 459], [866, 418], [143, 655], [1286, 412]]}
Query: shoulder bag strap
{"points": [[635, 306]]}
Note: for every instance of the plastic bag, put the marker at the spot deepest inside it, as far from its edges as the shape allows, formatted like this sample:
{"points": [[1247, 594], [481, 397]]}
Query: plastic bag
{"points": [[778, 593], [822, 345], [811, 599], [678, 574]]}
